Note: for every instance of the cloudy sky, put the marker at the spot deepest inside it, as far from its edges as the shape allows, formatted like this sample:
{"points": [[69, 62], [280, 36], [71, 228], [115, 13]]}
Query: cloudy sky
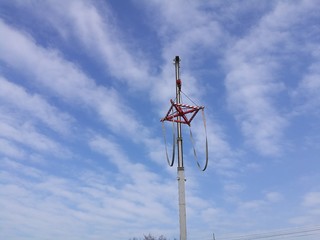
{"points": [[83, 85]]}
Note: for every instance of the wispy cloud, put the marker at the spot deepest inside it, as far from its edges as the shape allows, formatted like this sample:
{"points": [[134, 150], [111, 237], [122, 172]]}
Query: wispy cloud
{"points": [[310, 209], [9, 149], [254, 80], [34, 105], [312, 199], [81, 96], [25, 134], [94, 28], [84, 200], [308, 88], [77, 87], [65, 80]]}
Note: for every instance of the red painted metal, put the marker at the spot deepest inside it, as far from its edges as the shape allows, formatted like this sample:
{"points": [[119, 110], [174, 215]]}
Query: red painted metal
{"points": [[186, 112]]}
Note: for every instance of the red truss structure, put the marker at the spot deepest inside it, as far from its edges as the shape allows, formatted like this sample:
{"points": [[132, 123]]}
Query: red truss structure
{"points": [[183, 111]]}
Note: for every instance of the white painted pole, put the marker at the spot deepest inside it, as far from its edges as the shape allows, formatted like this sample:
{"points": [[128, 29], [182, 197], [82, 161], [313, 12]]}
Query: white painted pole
{"points": [[180, 168]]}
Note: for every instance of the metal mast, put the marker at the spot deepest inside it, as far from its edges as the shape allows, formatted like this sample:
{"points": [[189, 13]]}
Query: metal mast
{"points": [[180, 168], [182, 114]]}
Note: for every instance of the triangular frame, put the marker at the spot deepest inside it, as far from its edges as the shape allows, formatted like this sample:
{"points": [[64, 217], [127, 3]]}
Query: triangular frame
{"points": [[181, 110]]}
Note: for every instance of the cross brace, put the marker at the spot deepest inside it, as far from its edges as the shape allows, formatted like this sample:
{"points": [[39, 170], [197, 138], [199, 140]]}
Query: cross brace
{"points": [[178, 109]]}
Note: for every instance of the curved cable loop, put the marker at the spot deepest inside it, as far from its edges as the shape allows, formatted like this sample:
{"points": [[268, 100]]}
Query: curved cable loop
{"points": [[193, 145], [170, 163]]}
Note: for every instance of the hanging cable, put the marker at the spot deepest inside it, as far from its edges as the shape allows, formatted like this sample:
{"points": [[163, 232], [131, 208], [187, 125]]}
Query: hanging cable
{"points": [[188, 98], [193, 145], [193, 142], [283, 234], [170, 163]]}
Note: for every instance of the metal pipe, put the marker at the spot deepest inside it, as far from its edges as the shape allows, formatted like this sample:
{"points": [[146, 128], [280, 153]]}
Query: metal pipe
{"points": [[180, 168]]}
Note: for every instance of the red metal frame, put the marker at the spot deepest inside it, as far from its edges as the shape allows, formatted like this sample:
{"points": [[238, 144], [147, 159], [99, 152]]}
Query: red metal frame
{"points": [[181, 110]]}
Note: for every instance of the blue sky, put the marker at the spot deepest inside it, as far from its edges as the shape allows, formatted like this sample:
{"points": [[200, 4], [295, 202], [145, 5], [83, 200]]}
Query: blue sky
{"points": [[83, 85]]}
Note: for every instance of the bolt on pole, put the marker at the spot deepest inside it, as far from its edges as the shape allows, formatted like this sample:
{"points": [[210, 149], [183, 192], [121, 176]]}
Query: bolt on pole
{"points": [[180, 168]]}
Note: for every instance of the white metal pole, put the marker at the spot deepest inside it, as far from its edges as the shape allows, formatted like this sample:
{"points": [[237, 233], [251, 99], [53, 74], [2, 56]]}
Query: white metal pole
{"points": [[180, 168]]}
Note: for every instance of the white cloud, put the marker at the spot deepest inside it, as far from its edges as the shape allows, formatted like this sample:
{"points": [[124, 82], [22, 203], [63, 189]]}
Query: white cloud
{"points": [[310, 211], [9, 149], [233, 188], [254, 67], [51, 206], [185, 30], [312, 199], [252, 205], [136, 172], [252, 84], [25, 134], [111, 184], [274, 197], [67, 81], [110, 149], [308, 88], [16, 97], [98, 35]]}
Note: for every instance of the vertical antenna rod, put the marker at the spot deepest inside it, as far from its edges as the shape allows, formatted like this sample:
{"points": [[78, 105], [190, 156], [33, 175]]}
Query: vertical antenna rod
{"points": [[180, 168], [182, 114]]}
